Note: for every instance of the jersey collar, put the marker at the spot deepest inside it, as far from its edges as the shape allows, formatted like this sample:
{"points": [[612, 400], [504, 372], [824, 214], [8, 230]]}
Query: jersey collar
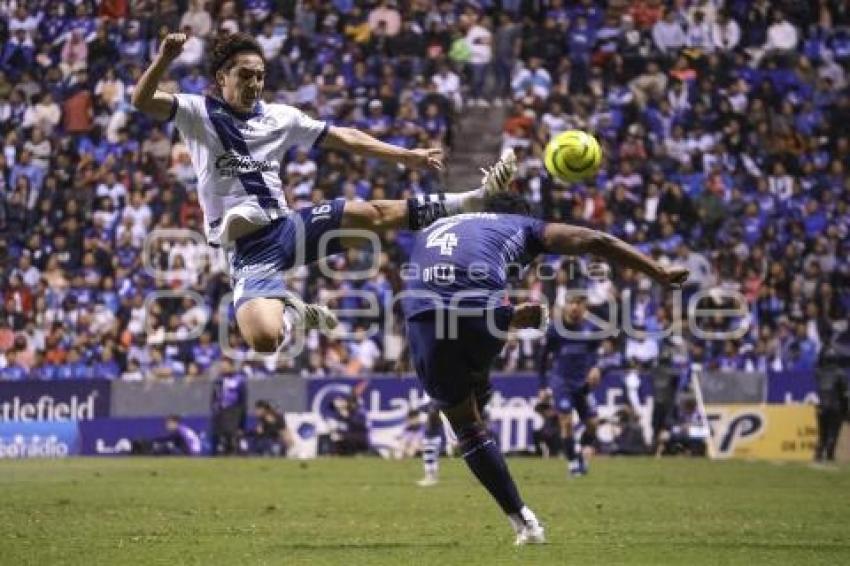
{"points": [[244, 116]]}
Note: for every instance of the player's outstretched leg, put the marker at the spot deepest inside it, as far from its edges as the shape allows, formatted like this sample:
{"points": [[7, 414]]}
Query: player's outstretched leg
{"points": [[431, 445], [419, 212], [487, 463]]}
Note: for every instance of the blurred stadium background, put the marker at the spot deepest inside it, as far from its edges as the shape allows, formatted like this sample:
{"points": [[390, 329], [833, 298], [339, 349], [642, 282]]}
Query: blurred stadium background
{"points": [[723, 123]]}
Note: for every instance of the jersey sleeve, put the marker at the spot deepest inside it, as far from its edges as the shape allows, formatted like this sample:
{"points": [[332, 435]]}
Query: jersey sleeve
{"points": [[305, 131], [534, 228], [188, 113]]}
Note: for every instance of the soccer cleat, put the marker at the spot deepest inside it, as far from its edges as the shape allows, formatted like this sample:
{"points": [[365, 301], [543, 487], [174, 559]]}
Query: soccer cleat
{"points": [[528, 529], [497, 179], [429, 480], [311, 315], [531, 533], [576, 468], [584, 465]]}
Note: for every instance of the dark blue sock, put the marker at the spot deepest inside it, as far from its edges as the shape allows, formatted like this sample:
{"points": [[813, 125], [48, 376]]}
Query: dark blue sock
{"points": [[484, 458], [569, 448], [422, 211]]}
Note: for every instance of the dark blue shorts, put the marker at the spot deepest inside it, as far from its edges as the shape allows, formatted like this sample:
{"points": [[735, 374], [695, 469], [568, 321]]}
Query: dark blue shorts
{"points": [[261, 258], [450, 369], [579, 399]]}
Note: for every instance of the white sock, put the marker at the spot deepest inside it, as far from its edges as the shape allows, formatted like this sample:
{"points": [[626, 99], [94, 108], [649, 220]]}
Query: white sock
{"points": [[291, 319], [519, 520], [469, 201]]}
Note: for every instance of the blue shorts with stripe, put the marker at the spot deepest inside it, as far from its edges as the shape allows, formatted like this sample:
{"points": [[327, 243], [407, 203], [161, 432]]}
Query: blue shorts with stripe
{"points": [[568, 398], [260, 259], [451, 367]]}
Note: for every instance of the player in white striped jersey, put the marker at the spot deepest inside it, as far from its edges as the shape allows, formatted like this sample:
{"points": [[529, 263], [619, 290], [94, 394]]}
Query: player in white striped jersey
{"points": [[237, 142]]}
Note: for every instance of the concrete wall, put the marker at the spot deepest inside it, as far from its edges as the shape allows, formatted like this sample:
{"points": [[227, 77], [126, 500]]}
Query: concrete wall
{"points": [[141, 399]]}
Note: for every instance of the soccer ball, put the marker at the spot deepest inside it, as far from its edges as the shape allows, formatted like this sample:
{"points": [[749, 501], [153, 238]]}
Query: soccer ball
{"points": [[572, 156]]}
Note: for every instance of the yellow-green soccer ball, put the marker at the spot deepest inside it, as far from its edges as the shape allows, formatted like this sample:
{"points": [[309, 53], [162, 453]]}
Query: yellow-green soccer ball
{"points": [[572, 156]]}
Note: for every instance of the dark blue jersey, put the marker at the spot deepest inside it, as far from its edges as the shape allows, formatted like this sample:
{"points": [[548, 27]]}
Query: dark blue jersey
{"points": [[573, 353], [229, 391], [462, 261]]}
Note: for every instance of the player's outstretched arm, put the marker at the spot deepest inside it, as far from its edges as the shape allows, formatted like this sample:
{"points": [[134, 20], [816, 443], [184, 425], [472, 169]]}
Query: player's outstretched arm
{"points": [[147, 97], [574, 240], [361, 143]]}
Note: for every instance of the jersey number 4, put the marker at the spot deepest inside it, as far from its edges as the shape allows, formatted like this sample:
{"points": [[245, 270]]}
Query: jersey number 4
{"points": [[443, 239]]}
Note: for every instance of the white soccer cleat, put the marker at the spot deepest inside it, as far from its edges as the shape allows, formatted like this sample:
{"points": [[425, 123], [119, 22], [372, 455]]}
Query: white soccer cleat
{"points": [[531, 533], [497, 179], [428, 481], [311, 315], [527, 528]]}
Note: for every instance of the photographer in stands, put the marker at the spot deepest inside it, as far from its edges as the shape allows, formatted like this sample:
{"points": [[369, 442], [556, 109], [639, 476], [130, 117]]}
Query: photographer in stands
{"points": [[269, 437], [179, 440]]}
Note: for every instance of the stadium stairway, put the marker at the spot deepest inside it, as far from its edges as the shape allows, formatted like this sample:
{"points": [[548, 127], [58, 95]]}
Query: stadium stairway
{"points": [[477, 141]]}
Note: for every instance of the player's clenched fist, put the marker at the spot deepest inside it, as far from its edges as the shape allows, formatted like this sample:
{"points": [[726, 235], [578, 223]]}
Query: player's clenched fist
{"points": [[172, 45]]}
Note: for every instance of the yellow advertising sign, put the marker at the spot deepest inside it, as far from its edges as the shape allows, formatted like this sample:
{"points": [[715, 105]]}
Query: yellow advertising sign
{"points": [[765, 432]]}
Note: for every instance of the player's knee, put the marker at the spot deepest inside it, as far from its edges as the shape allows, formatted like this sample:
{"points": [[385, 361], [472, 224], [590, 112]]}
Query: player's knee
{"points": [[263, 339], [472, 435], [462, 415]]}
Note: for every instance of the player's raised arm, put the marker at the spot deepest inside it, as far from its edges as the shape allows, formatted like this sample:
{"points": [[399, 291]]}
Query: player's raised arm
{"points": [[147, 97], [361, 143], [572, 240]]}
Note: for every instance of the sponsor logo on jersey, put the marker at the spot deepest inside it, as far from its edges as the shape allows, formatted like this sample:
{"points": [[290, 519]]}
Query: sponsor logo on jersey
{"points": [[233, 164]]}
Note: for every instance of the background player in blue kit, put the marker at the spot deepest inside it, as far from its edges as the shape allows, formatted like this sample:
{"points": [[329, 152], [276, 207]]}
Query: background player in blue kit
{"points": [[574, 375], [457, 312]]}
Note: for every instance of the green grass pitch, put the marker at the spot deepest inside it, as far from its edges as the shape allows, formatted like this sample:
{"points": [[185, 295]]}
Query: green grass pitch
{"points": [[368, 511]]}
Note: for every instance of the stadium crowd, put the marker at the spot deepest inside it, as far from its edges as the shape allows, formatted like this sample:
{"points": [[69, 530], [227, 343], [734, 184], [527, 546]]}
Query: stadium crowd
{"points": [[722, 125]]}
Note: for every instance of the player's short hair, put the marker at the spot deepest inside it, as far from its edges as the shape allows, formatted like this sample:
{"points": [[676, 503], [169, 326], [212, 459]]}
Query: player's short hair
{"points": [[507, 203], [226, 46]]}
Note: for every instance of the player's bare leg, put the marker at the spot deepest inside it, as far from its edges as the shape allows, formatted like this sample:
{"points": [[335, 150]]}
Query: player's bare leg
{"points": [[267, 323]]}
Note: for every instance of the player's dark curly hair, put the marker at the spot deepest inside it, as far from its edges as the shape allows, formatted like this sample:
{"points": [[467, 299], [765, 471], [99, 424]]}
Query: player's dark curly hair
{"points": [[507, 203], [226, 46]]}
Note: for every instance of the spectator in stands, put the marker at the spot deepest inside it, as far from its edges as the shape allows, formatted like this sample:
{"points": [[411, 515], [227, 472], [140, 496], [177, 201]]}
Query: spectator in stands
{"points": [[13, 370], [668, 34]]}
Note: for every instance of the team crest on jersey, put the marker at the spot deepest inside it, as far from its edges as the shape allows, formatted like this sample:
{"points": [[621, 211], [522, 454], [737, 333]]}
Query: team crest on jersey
{"points": [[269, 121], [233, 164]]}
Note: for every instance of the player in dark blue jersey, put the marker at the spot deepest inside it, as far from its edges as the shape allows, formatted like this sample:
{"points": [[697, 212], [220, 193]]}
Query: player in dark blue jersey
{"points": [[457, 312], [574, 375]]}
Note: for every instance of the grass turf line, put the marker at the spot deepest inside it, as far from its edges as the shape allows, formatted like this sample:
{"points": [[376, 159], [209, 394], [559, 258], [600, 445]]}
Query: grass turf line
{"points": [[368, 511]]}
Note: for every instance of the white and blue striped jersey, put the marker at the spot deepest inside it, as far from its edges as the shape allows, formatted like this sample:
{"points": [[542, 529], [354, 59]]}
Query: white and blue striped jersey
{"points": [[238, 157]]}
